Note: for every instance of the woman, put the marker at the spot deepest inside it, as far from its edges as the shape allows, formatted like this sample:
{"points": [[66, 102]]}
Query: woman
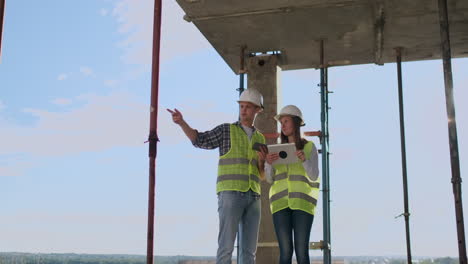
{"points": [[294, 190]]}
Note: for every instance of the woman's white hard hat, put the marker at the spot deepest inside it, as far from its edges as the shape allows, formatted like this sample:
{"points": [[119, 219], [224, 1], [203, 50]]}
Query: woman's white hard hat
{"points": [[290, 110]]}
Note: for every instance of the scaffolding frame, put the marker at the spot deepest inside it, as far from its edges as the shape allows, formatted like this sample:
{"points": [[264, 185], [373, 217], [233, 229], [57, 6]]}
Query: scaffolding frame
{"points": [[324, 139], [324, 135]]}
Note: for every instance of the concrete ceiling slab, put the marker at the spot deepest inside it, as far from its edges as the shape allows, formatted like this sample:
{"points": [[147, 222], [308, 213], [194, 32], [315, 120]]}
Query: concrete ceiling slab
{"points": [[354, 31]]}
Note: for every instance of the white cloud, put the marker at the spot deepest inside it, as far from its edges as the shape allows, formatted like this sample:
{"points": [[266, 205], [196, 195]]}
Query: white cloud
{"points": [[104, 122], [8, 171], [135, 19], [61, 101], [86, 71], [104, 12], [136, 23], [111, 83], [62, 77], [14, 165], [2, 105]]}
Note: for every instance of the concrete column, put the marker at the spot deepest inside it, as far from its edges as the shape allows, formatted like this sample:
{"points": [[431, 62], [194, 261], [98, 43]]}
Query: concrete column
{"points": [[263, 75]]}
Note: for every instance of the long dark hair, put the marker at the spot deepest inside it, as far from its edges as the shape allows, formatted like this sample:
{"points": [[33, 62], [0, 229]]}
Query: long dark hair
{"points": [[300, 142]]}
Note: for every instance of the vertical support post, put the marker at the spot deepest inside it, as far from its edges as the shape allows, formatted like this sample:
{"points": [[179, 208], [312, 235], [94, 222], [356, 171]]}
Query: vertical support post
{"points": [[325, 156], [242, 70], [452, 129], [241, 90], [403, 155], [241, 83], [263, 75], [2, 16], [153, 137]]}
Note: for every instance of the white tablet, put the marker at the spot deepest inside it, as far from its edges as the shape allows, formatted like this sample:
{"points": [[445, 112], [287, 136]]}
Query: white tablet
{"points": [[286, 152]]}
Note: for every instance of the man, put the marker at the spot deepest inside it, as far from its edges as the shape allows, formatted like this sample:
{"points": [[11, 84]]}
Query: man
{"points": [[239, 174]]}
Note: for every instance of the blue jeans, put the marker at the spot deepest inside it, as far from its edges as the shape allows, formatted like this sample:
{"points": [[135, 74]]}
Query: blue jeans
{"points": [[238, 211], [286, 223]]}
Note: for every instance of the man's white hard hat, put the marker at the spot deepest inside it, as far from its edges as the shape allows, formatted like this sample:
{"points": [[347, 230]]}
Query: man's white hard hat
{"points": [[252, 96], [290, 110]]}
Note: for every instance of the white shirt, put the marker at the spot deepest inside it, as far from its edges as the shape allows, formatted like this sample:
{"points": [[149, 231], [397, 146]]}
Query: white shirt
{"points": [[248, 130]]}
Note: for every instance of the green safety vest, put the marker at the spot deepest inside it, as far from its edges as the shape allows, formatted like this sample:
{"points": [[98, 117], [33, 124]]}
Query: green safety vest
{"points": [[292, 188], [237, 169]]}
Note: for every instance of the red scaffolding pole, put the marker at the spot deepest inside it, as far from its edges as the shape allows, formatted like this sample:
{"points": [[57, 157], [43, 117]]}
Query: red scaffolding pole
{"points": [[2, 15], [153, 136]]}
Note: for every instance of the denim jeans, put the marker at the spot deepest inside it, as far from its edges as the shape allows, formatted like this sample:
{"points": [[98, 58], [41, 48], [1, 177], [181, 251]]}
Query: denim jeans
{"points": [[238, 211], [286, 223]]}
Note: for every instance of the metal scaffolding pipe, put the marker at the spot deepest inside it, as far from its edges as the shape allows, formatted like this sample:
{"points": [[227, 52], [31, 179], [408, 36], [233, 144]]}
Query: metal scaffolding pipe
{"points": [[241, 90], [241, 83], [325, 155], [2, 16], [153, 136], [242, 70], [452, 128], [406, 214]]}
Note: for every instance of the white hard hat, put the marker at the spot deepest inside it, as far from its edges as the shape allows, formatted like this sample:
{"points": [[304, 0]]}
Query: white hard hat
{"points": [[290, 110], [252, 96]]}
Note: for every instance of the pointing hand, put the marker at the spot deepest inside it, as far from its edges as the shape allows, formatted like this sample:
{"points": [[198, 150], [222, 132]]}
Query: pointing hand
{"points": [[176, 116]]}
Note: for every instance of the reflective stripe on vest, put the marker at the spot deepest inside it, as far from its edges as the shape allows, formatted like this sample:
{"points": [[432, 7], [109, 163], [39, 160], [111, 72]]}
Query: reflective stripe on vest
{"points": [[292, 188], [238, 177], [298, 195], [281, 176], [238, 169], [303, 178], [236, 161]]}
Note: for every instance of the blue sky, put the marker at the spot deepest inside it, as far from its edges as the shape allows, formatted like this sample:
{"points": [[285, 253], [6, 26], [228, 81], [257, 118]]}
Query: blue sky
{"points": [[74, 104]]}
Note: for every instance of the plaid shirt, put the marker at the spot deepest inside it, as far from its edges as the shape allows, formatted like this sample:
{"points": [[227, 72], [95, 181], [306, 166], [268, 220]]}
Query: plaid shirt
{"points": [[218, 137]]}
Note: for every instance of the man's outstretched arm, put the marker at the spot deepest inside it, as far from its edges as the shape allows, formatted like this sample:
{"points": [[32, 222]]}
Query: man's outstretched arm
{"points": [[178, 119]]}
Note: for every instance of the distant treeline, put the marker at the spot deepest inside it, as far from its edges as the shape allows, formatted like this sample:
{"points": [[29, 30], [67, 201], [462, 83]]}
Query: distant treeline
{"points": [[29, 258], [400, 260], [446, 260]]}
